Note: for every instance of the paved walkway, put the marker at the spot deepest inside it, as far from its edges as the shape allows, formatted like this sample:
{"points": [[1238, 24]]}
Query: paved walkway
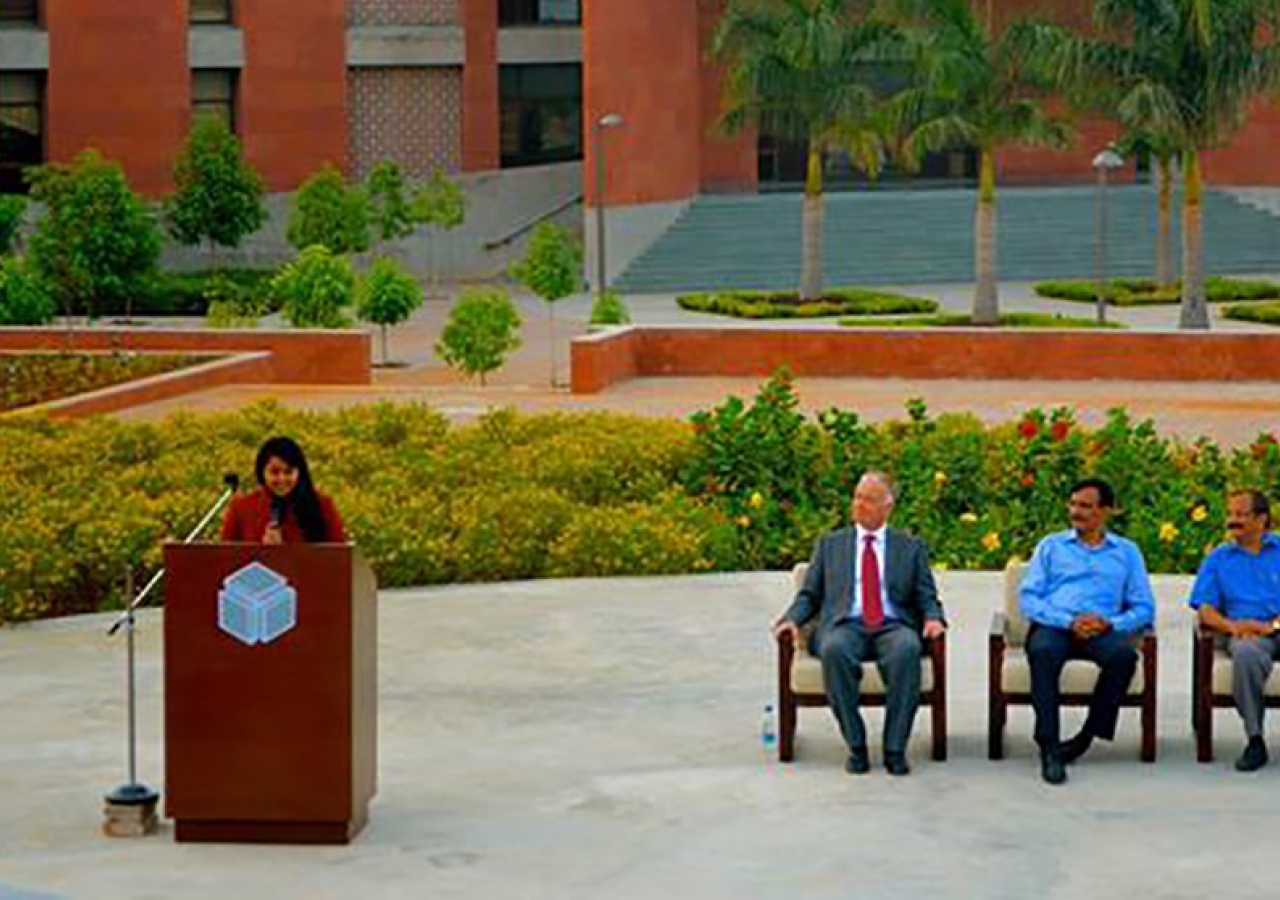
{"points": [[1229, 413], [588, 739]]}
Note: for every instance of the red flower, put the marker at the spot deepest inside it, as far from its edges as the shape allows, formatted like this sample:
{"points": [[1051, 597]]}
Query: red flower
{"points": [[1028, 478], [1060, 430], [1028, 428], [1262, 443]]}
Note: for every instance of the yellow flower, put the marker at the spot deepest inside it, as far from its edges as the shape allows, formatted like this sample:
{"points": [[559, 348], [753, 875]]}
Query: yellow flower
{"points": [[991, 540], [1199, 514], [744, 521], [940, 478], [1168, 531], [756, 500], [968, 518], [941, 566]]}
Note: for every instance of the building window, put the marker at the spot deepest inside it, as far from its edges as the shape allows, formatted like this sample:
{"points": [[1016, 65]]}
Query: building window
{"points": [[21, 128], [211, 12], [539, 12], [19, 12], [213, 93], [541, 114]]}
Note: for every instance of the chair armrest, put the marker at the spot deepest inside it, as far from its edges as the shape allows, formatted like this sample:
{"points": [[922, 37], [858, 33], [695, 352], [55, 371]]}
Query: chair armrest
{"points": [[786, 652], [937, 648]]}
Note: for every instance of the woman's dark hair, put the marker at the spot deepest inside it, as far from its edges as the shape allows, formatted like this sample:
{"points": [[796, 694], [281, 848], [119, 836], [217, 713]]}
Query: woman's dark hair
{"points": [[302, 499]]}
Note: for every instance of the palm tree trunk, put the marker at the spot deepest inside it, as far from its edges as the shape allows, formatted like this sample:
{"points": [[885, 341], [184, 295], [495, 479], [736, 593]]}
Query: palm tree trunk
{"points": [[986, 301], [811, 227], [1166, 272], [1195, 312]]}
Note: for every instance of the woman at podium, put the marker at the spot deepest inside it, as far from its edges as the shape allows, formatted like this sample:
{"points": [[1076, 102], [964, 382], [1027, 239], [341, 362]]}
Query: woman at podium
{"points": [[286, 508]]}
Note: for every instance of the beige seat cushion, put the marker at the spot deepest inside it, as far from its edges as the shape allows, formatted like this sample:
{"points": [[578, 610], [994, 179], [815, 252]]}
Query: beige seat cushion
{"points": [[1078, 676], [806, 676], [1016, 629], [1222, 675], [806, 670]]}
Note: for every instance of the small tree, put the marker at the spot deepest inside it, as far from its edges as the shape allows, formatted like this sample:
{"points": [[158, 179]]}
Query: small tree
{"points": [[314, 289], [391, 212], [12, 208], [609, 309], [552, 269], [24, 299], [218, 195], [388, 295], [483, 328], [441, 205], [329, 213], [98, 242]]}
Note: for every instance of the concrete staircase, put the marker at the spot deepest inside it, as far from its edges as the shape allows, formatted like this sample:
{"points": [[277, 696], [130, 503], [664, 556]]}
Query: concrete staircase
{"points": [[926, 237]]}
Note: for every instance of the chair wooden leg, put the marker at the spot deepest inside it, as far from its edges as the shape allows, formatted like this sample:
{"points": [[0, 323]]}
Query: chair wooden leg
{"points": [[996, 714], [939, 728], [787, 728], [1204, 732], [1149, 725]]}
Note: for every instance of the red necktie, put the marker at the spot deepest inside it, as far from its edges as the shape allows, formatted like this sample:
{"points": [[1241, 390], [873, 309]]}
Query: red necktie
{"points": [[872, 611]]}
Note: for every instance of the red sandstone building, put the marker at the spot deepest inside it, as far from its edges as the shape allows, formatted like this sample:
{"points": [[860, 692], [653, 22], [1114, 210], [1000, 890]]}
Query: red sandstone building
{"points": [[464, 85]]}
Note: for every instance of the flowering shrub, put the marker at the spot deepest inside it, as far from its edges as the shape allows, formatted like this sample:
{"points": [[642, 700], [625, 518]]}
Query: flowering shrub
{"points": [[746, 485]]}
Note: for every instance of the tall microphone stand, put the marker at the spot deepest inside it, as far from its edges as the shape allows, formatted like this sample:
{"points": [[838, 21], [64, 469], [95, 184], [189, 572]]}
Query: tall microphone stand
{"points": [[131, 807]]}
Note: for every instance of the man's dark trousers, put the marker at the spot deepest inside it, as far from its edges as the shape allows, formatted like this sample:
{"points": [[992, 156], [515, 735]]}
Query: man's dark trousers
{"points": [[1048, 650], [896, 650]]}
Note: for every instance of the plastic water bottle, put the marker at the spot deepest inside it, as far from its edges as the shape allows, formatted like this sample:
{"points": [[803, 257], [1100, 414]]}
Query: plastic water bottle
{"points": [[769, 728]]}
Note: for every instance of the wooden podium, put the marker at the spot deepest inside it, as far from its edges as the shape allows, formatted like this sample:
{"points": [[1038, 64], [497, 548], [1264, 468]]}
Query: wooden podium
{"points": [[270, 661]]}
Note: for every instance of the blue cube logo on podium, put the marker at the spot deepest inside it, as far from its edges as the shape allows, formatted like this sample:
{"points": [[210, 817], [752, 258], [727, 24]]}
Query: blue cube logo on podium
{"points": [[257, 605]]}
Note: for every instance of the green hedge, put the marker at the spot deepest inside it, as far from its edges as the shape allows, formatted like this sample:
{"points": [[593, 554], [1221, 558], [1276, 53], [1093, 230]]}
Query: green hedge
{"points": [[190, 293], [1266, 313], [783, 305], [747, 485], [958, 320], [1144, 292], [32, 378]]}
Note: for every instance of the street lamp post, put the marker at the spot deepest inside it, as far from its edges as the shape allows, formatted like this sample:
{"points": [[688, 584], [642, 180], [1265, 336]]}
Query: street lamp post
{"points": [[609, 120], [1104, 164]]}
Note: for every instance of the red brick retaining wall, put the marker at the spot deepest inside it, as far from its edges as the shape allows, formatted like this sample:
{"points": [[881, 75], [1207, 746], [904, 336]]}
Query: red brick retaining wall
{"points": [[296, 357], [606, 358]]}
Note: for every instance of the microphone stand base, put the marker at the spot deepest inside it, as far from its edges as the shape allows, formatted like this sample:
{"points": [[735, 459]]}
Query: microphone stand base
{"points": [[130, 812]]}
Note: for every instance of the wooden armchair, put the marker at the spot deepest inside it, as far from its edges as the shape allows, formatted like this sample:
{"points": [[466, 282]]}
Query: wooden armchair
{"points": [[800, 683], [1211, 687], [1009, 673]]}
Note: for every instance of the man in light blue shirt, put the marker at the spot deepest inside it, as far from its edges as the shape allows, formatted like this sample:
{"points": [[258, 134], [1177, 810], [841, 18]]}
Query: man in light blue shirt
{"points": [[1237, 594], [1086, 594]]}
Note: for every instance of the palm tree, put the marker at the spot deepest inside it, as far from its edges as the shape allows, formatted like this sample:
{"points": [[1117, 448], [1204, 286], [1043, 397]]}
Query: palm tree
{"points": [[800, 69], [979, 87], [1186, 70], [1163, 150]]}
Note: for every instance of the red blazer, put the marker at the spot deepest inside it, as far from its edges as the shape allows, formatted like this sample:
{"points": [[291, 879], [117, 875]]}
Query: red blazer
{"points": [[249, 514]]}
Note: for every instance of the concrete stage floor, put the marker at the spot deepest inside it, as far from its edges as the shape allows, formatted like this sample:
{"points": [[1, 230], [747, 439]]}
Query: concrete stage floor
{"points": [[600, 739]]}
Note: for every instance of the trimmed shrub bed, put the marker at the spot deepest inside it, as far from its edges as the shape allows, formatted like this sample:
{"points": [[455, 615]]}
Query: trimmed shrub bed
{"points": [[1144, 292], [28, 379], [1265, 313], [959, 320], [783, 305], [747, 485]]}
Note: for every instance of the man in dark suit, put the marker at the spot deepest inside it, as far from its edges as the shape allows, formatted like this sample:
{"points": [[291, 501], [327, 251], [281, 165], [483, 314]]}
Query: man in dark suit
{"points": [[873, 590]]}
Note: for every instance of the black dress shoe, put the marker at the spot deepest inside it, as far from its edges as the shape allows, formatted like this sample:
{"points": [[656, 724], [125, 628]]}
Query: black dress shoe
{"points": [[1077, 747], [858, 763], [896, 764], [1051, 768], [1254, 756]]}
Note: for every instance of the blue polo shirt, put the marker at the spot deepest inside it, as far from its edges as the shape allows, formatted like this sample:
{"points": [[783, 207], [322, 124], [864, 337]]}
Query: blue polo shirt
{"points": [[1067, 578], [1240, 584]]}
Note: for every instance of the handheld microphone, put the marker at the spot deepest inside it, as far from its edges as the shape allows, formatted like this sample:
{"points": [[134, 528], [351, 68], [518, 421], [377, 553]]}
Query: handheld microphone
{"points": [[277, 511], [231, 481]]}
